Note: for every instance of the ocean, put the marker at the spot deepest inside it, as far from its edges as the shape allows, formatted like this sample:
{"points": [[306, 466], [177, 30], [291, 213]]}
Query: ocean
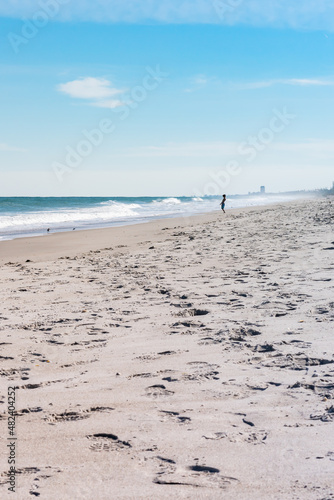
{"points": [[30, 216]]}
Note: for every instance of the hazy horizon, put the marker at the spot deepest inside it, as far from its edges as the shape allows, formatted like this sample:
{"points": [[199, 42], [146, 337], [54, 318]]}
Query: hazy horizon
{"points": [[254, 193]]}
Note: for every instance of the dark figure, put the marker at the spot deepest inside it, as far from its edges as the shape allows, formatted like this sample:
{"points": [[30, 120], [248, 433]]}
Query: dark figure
{"points": [[222, 203]]}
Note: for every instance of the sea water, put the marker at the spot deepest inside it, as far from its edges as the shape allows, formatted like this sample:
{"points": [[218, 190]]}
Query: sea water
{"points": [[30, 216]]}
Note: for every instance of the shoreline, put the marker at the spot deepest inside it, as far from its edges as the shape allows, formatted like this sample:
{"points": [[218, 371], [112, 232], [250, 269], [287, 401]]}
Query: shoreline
{"points": [[187, 210], [70, 243]]}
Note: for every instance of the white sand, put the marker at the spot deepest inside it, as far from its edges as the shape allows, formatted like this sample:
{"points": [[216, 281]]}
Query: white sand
{"points": [[200, 368]]}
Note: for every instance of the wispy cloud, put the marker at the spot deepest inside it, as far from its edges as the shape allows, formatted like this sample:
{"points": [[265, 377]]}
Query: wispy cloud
{"points": [[301, 82], [310, 14], [201, 80], [6, 147], [314, 149], [185, 149], [308, 82], [198, 82], [97, 90]]}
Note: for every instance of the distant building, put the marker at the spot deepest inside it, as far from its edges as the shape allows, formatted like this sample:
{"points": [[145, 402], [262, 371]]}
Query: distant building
{"points": [[262, 189]]}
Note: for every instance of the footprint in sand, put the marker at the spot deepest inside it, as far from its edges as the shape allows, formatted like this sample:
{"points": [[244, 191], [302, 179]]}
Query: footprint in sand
{"points": [[71, 416], [142, 375], [192, 312], [26, 411], [201, 371], [12, 372], [44, 384], [107, 442], [196, 475], [175, 416], [67, 416], [298, 361], [323, 390], [158, 391], [254, 438], [39, 476], [326, 416], [276, 308]]}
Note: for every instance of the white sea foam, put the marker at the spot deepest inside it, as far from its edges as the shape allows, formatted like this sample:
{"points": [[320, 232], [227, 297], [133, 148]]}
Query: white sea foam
{"points": [[34, 215], [67, 217], [169, 201]]}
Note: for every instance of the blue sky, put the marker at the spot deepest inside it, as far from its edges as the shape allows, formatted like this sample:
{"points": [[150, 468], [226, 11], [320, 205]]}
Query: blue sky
{"points": [[162, 97]]}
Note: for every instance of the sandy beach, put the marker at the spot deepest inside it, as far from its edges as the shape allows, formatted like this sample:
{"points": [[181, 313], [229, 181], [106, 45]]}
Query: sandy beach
{"points": [[189, 358]]}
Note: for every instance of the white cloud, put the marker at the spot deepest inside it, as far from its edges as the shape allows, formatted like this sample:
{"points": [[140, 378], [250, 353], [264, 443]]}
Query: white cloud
{"points": [[310, 14], [306, 82], [89, 88], [187, 150], [302, 82], [315, 148], [6, 147], [201, 80], [96, 89], [309, 150], [198, 82]]}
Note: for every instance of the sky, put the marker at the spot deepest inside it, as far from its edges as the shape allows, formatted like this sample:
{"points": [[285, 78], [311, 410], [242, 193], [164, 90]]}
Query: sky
{"points": [[165, 97]]}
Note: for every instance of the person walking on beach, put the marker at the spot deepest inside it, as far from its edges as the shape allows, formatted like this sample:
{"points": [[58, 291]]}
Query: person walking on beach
{"points": [[222, 203]]}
